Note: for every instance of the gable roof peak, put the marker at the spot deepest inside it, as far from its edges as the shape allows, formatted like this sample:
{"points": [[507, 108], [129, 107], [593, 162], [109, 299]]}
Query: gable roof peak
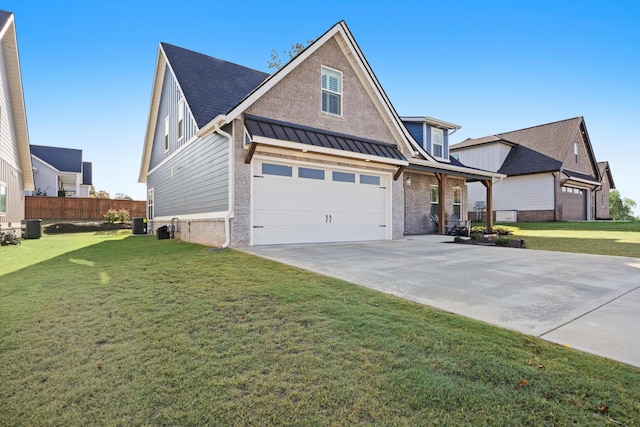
{"points": [[578, 118], [211, 86]]}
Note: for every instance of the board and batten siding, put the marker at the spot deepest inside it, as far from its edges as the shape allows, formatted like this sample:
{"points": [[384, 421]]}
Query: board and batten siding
{"points": [[8, 143], [10, 172], [169, 103], [193, 181], [522, 193], [487, 157]]}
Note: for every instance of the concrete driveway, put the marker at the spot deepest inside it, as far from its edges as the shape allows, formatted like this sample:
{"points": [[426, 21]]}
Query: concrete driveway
{"points": [[587, 302]]}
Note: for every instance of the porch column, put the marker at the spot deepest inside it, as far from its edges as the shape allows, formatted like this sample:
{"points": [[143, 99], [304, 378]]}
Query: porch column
{"points": [[489, 185], [442, 182]]}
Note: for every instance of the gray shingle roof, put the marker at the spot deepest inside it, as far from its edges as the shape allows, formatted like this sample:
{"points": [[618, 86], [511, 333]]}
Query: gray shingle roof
{"points": [[260, 126], [535, 149], [4, 17], [211, 86], [63, 159]]}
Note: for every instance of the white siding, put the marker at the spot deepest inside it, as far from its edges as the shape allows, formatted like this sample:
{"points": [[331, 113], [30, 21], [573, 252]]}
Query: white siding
{"points": [[8, 144], [522, 193], [488, 157], [45, 178]]}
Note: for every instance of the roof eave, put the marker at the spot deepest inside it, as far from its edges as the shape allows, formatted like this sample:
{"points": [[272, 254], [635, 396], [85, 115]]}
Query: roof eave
{"points": [[154, 105], [14, 76], [431, 121]]}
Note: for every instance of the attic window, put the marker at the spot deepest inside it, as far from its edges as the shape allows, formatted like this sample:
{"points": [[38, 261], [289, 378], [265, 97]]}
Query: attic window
{"points": [[180, 121], [331, 91], [576, 153], [166, 134]]}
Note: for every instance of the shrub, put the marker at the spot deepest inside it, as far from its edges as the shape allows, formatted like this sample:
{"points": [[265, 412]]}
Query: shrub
{"points": [[113, 215], [123, 215], [458, 239], [476, 236], [503, 241]]}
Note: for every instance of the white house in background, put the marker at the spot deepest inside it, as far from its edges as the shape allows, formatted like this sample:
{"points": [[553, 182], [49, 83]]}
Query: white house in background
{"points": [[15, 159], [60, 169]]}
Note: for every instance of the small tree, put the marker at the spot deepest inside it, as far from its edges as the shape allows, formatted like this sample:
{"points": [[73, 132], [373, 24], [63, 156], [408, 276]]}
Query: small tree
{"points": [[620, 208], [122, 196], [296, 49]]}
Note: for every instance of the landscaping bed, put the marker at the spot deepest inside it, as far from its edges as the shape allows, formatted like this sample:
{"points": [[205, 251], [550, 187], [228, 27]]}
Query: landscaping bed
{"points": [[84, 226]]}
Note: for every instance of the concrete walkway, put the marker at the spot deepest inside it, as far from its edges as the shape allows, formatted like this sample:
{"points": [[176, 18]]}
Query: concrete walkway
{"points": [[588, 302]]}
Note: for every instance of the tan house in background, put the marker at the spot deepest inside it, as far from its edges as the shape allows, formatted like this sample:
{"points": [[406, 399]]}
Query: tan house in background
{"points": [[552, 174]]}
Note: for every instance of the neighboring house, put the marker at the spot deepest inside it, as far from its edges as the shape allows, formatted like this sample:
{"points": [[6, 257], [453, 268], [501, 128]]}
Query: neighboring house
{"points": [[15, 159], [312, 153], [58, 169], [552, 173], [601, 199]]}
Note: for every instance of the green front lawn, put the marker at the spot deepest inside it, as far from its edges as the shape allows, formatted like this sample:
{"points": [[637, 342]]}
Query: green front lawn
{"points": [[603, 238], [118, 330]]}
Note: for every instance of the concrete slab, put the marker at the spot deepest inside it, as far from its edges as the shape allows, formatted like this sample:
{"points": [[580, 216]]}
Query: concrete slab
{"points": [[588, 302]]}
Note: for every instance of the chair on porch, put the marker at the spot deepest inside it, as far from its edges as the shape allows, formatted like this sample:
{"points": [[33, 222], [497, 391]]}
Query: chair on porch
{"points": [[456, 227]]}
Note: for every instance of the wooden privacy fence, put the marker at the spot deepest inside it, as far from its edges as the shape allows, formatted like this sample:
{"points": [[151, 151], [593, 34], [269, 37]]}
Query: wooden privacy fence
{"points": [[79, 208]]}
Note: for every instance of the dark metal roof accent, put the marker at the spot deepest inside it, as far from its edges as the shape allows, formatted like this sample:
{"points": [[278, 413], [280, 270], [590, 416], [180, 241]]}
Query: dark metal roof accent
{"points": [[275, 129], [63, 159], [210, 85]]}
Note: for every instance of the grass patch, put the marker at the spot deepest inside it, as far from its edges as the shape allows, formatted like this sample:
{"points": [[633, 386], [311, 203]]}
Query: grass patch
{"points": [[601, 238], [138, 331]]}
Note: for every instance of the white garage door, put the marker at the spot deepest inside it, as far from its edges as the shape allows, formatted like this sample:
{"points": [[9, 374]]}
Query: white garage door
{"points": [[308, 203]]}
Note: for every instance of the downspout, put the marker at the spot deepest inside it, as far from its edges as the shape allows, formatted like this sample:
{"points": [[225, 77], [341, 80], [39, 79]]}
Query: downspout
{"points": [[227, 225], [555, 195]]}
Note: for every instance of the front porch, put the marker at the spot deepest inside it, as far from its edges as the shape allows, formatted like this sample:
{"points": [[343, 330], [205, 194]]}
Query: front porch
{"points": [[431, 194]]}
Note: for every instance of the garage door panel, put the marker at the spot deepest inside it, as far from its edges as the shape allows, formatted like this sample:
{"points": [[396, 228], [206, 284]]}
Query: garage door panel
{"points": [[288, 209]]}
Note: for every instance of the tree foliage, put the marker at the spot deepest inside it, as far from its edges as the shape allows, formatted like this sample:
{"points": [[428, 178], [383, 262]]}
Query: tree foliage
{"points": [[296, 49], [620, 208], [98, 194]]}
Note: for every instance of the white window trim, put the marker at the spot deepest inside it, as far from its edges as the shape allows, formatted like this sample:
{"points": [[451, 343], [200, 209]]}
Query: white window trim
{"points": [[150, 203], [166, 134], [437, 193], [340, 94], [6, 190], [459, 202], [181, 120], [576, 152], [434, 131]]}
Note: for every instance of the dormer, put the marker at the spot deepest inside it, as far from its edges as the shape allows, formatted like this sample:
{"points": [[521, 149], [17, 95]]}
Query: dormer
{"points": [[432, 134]]}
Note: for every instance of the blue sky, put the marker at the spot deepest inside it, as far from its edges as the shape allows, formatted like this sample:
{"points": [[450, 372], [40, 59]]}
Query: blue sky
{"points": [[491, 67]]}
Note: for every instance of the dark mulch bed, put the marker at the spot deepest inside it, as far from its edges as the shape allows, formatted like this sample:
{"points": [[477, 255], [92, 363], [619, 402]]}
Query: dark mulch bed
{"points": [[81, 227], [484, 241]]}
